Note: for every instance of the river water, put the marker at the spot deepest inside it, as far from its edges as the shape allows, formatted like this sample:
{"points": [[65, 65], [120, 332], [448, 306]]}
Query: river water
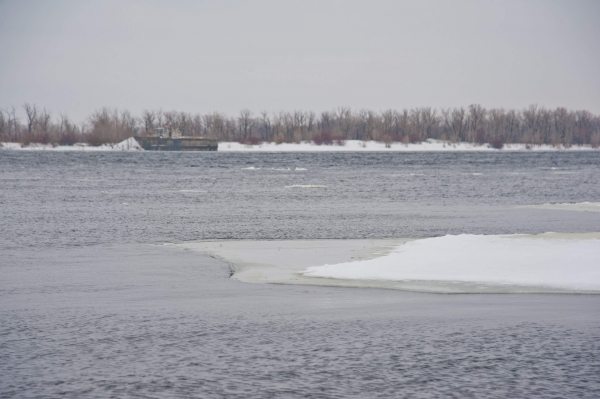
{"points": [[91, 308]]}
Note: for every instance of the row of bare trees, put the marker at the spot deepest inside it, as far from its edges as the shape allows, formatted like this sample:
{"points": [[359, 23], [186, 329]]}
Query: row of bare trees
{"points": [[38, 126], [533, 125]]}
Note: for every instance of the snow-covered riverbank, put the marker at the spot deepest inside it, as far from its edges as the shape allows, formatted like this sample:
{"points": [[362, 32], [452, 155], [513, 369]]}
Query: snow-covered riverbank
{"points": [[126, 145], [429, 145]]}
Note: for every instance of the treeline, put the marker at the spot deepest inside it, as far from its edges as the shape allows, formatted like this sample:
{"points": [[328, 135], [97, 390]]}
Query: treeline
{"points": [[475, 124]]}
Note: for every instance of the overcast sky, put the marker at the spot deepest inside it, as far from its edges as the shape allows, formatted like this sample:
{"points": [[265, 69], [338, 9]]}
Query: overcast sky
{"points": [[73, 57]]}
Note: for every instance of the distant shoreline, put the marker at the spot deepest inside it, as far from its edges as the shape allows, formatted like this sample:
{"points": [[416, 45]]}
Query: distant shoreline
{"points": [[429, 145]]}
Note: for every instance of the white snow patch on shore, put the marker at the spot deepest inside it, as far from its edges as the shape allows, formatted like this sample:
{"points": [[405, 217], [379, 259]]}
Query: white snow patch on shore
{"points": [[366, 146], [553, 260], [11, 146], [129, 144]]}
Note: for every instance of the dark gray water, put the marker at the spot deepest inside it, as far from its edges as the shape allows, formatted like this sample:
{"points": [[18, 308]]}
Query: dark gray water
{"points": [[89, 309], [72, 199]]}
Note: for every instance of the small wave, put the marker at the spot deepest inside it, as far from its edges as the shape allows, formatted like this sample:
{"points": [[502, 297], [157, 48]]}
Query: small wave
{"points": [[405, 175], [476, 174], [192, 191], [305, 186], [110, 192], [576, 206], [275, 169]]}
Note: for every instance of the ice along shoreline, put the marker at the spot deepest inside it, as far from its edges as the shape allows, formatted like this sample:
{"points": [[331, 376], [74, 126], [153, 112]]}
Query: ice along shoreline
{"points": [[429, 145]]}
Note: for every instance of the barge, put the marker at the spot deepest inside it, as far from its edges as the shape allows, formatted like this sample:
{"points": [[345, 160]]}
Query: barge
{"points": [[167, 139]]}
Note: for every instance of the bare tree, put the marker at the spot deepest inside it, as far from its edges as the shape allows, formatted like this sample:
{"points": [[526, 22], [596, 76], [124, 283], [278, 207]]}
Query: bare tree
{"points": [[45, 122], [196, 125], [13, 124], [215, 126], [512, 127], [68, 131], [149, 120], [3, 126], [388, 119], [362, 125], [128, 125], [497, 125], [326, 122], [564, 125], [31, 112], [429, 122], [265, 128], [455, 123], [245, 124], [171, 118], [310, 121], [277, 126], [289, 126], [184, 123], [476, 123], [160, 118], [584, 127], [345, 121], [529, 119], [83, 128], [230, 129]]}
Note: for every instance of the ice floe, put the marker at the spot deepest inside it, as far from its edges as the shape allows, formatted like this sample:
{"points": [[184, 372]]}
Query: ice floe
{"points": [[548, 261]]}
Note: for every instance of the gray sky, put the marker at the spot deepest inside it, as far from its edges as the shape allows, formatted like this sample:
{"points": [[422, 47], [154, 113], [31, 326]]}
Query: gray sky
{"points": [[201, 56]]}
